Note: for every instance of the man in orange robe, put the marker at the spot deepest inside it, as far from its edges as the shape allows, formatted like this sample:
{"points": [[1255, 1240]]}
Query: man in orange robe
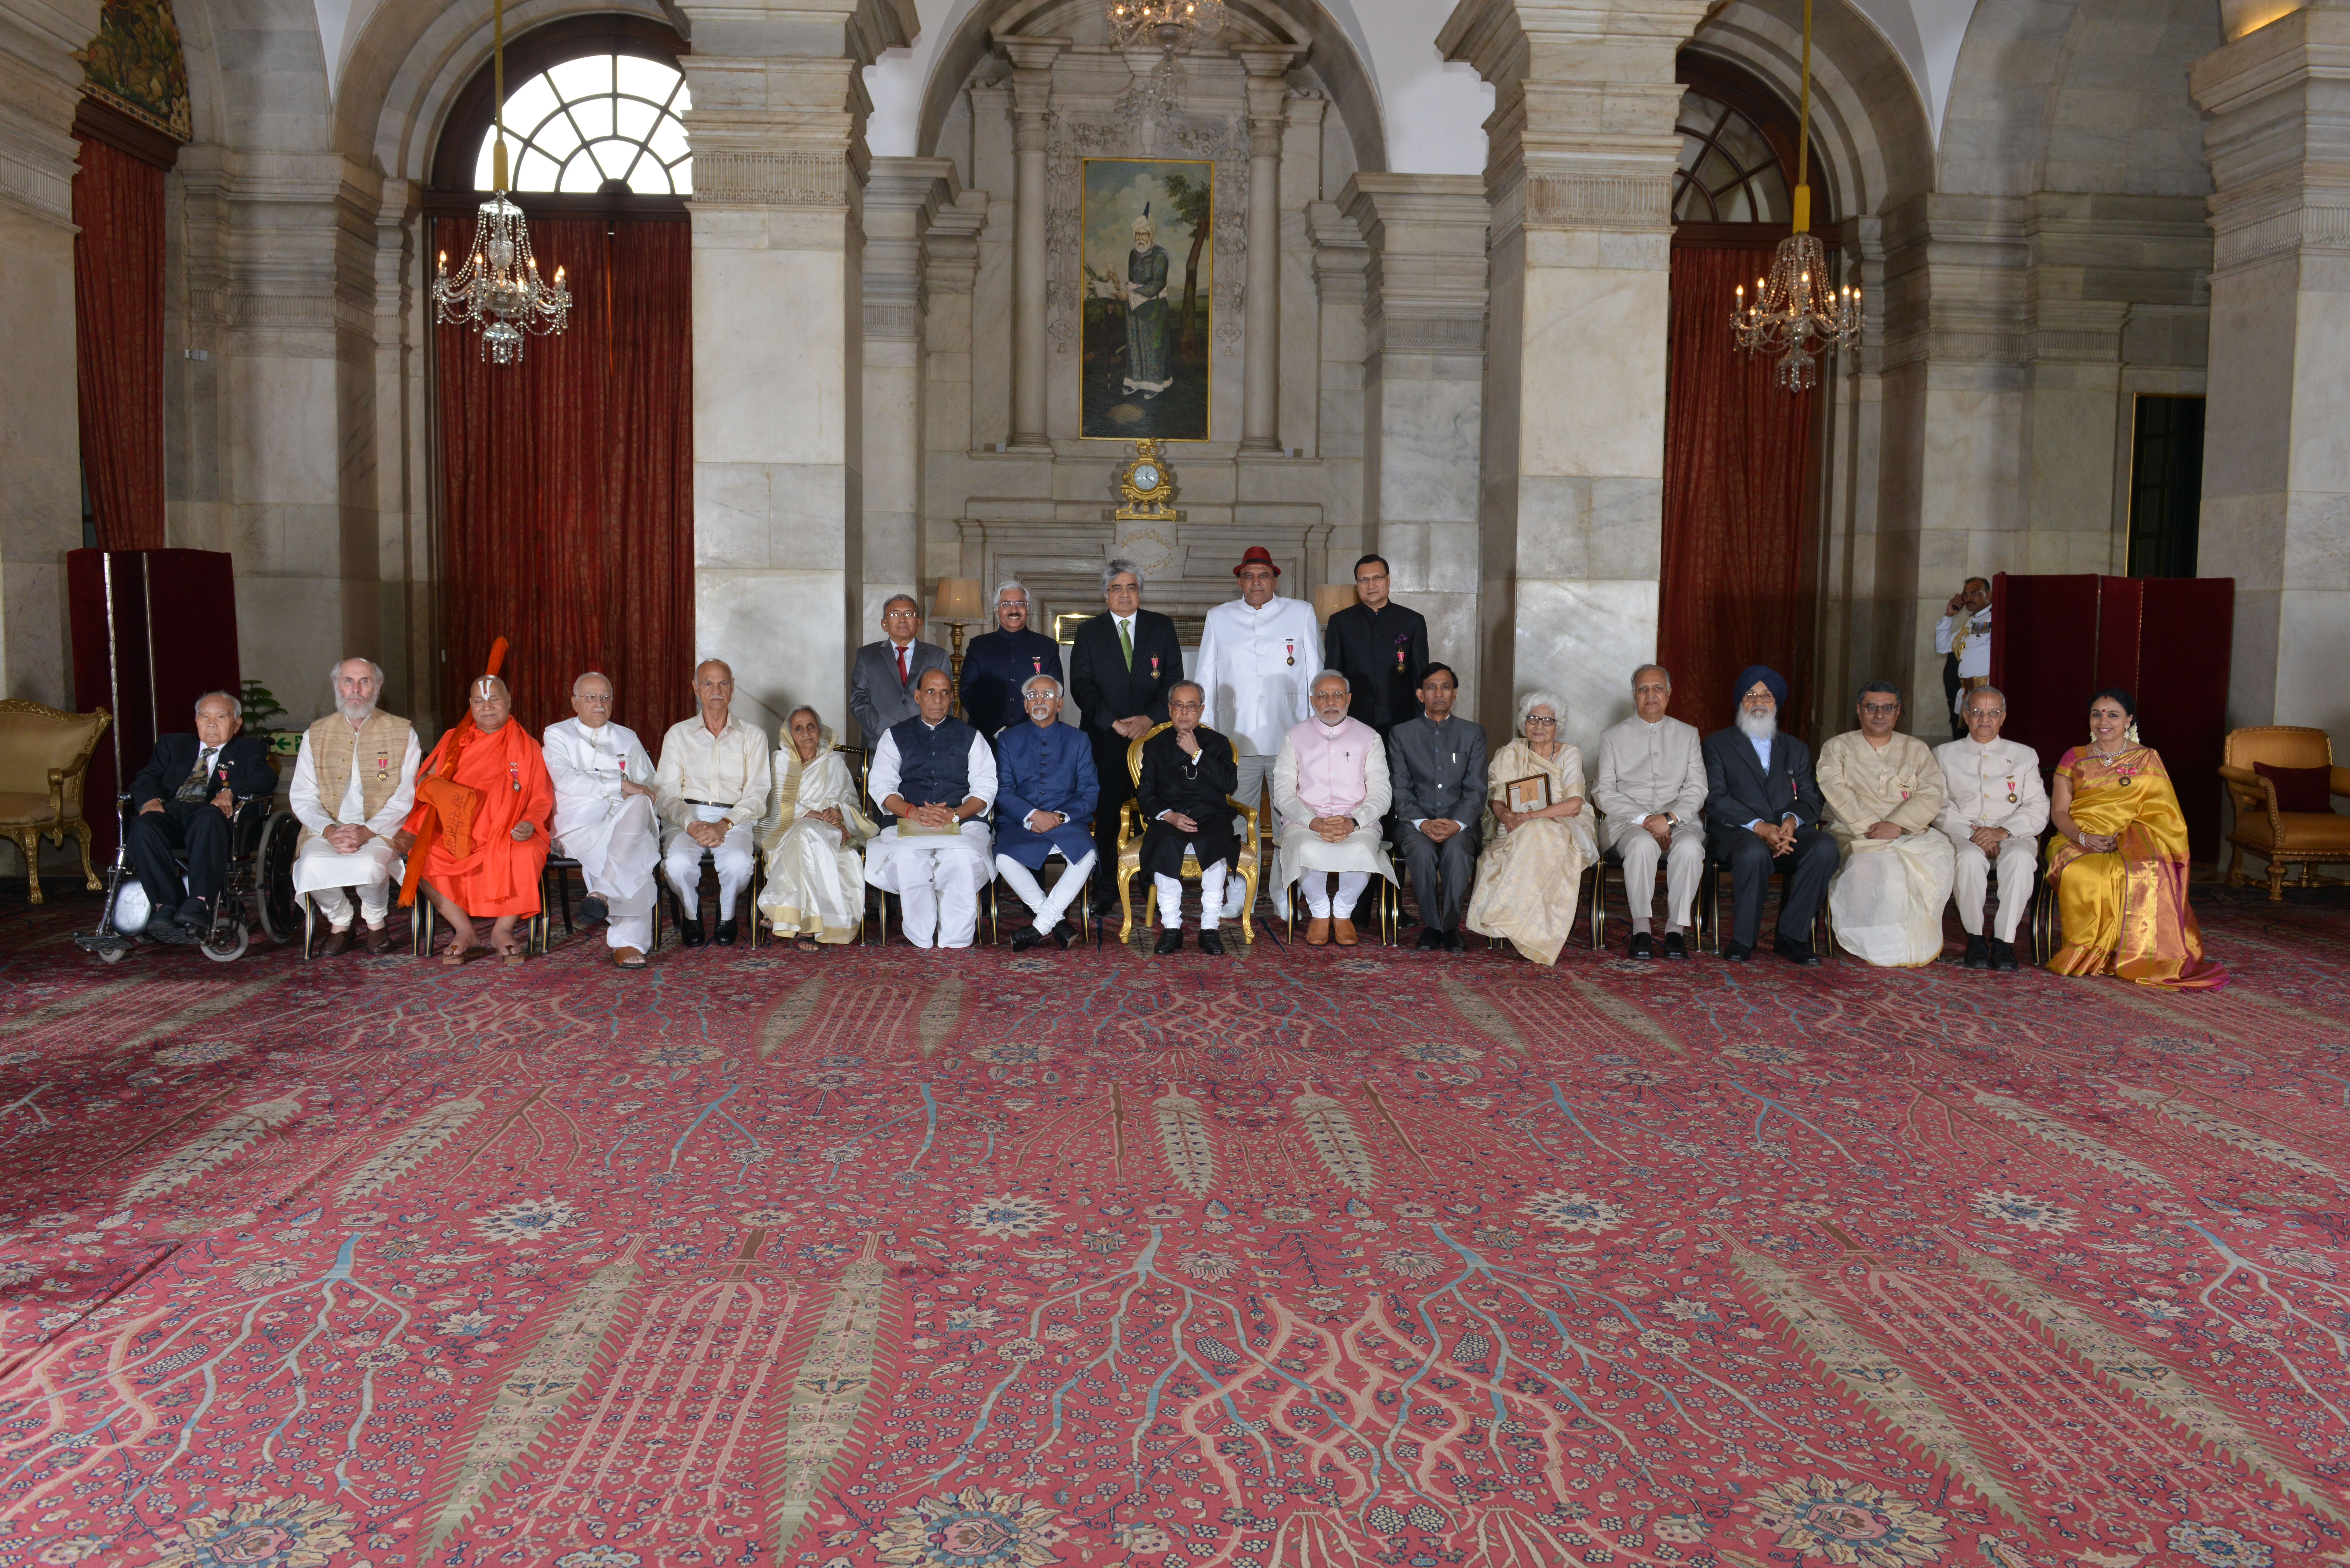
{"points": [[483, 824]]}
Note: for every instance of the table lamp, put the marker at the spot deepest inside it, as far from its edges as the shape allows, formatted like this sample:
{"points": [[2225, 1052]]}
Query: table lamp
{"points": [[1331, 597]]}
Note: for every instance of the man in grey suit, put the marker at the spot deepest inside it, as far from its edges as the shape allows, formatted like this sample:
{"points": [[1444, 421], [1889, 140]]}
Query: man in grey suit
{"points": [[881, 682], [1652, 788], [1436, 764]]}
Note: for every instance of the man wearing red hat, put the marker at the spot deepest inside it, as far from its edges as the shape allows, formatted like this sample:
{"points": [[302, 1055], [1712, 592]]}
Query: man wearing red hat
{"points": [[1257, 660]]}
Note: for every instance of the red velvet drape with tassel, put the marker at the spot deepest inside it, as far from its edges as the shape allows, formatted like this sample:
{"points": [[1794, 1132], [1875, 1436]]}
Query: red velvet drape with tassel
{"points": [[568, 481], [1737, 584], [117, 205]]}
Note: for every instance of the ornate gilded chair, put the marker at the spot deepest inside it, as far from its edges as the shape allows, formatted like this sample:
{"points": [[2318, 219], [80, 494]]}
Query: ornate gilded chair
{"points": [[1130, 829], [45, 755], [2303, 837]]}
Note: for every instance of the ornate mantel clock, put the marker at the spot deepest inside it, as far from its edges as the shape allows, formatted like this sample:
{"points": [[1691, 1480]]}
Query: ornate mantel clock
{"points": [[1148, 487]]}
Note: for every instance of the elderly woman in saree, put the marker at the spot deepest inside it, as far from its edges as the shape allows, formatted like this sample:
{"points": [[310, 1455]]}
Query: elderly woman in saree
{"points": [[816, 883], [2119, 867], [1532, 870]]}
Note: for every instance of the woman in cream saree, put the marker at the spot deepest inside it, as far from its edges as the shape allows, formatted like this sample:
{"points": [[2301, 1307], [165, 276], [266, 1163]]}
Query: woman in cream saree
{"points": [[1531, 870], [816, 883], [2118, 871]]}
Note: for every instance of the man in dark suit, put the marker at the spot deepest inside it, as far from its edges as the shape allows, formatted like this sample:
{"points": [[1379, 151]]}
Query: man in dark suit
{"points": [[1380, 648], [1189, 774], [881, 682], [1122, 664], [1762, 815], [1436, 764], [998, 664], [185, 799]]}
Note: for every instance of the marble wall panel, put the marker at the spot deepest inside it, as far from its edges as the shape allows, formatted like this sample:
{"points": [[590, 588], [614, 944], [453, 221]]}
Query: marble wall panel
{"points": [[1427, 444], [40, 468], [1592, 390], [1582, 640], [779, 397], [786, 633]]}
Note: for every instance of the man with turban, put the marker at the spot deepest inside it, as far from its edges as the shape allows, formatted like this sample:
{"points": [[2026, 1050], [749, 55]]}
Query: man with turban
{"points": [[476, 839], [1762, 815]]}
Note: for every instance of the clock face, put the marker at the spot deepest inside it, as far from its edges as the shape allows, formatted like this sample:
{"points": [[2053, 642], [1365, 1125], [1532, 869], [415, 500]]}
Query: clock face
{"points": [[1146, 477]]}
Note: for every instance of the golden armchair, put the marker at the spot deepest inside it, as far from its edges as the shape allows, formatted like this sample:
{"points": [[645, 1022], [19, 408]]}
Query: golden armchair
{"points": [[1130, 829], [45, 755], [2282, 838]]}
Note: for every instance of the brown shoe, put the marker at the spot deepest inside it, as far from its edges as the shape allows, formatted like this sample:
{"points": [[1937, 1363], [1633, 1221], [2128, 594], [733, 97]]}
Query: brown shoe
{"points": [[1342, 931], [336, 943], [378, 939], [628, 958], [1317, 931]]}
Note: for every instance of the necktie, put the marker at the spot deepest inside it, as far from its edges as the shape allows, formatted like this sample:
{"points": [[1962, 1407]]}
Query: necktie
{"points": [[1126, 641], [192, 787], [901, 667]]}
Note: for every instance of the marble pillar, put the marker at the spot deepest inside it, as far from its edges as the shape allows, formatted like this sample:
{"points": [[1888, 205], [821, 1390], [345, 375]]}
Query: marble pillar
{"points": [[1032, 98], [2276, 471], [951, 253], [903, 197], [1260, 376], [40, 465]]}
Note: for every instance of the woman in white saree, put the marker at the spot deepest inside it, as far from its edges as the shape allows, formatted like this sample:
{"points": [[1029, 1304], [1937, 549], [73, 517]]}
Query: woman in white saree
{"points": [[1531, 870], [815, 882]]}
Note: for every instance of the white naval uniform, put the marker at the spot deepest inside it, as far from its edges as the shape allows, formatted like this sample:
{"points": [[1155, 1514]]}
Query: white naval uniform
{"points": [[703, 777], [613, 836], [1257, 667], [937, 876], [319, 869], [1972, 637], [1997, 785]]}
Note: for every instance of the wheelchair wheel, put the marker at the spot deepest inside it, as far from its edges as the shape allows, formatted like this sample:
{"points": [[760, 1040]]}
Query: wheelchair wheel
{"points": [[232, 945], [112, 952], [272, 878]]}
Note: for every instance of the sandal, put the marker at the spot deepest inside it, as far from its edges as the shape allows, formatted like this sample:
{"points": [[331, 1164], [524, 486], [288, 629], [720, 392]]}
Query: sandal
{"points": [[452, 955], [513, 953], [805, 943]]}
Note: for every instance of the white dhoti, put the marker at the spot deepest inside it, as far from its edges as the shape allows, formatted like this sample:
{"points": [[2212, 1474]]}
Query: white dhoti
{"points": [[937, 878], [2019, 863], [323, 874], [617, 854], [1887, 900], [733, 857], [1305, 856], [816, 884]]}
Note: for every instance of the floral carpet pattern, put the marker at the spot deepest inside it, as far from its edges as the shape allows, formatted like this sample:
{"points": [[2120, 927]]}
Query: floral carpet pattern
{"points": [[1297, 1258]]}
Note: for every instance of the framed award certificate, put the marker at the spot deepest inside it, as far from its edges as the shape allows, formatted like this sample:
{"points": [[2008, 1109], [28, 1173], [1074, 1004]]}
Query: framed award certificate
{"points": [[1529, 793]]}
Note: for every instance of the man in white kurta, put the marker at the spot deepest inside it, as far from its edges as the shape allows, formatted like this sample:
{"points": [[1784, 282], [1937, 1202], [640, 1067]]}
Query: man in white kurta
{"points": [[1257, 656], [604, 816], [935, 778], [1993, 807], [1332, 790], [354, 782], [712, 790], [1652, 788], [1883, 790]]}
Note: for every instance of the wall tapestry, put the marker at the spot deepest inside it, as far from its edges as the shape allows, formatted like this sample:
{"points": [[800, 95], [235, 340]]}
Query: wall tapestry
{"points": [[1149, 256], [134, 64]]}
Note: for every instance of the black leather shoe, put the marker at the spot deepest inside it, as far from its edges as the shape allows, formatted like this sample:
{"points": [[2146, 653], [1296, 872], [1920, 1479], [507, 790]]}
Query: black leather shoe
{"points": [[1977, 953], [1452, 942], [1026, 937], [727, 930], [1794, 953], [1431, 938], [2003, 956], [1169, 942], [161, 928], [594, 911], [689, 933], [1736, 951], [1211, 943], [1642, 946], [1063, 934], [1675, 948], [196, 914]]}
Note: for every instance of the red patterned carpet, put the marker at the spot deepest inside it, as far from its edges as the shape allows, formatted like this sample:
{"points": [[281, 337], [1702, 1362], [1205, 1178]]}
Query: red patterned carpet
{"points": [[1307, 1259]]}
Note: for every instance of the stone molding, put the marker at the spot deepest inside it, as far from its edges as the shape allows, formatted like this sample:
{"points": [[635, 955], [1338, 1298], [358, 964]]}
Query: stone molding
{"points": [[951, 246], [34, 184], [1634, 203], [728, 177], [40, 87]]}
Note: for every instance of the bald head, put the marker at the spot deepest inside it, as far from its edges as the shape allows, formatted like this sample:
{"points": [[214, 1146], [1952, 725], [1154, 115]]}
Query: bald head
{"points": [[591, 699], [713, 688]]}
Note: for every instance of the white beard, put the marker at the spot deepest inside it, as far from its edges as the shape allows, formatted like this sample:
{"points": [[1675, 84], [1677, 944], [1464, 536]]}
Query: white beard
{"points": [[1758, 726], [356, 713]]}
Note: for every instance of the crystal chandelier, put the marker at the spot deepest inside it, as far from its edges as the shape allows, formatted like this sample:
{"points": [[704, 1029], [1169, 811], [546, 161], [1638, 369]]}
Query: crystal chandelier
{"points": [[498, 289], [1170, 26], [1797, 314]]}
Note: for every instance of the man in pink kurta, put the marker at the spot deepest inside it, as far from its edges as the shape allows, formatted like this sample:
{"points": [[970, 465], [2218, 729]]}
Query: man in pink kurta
{"points": [[1330, 787]]}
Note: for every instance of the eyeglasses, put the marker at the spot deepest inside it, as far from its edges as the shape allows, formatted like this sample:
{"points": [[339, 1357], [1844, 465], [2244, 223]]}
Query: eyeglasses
{"points": [[1880, 707], [1542, 723]]}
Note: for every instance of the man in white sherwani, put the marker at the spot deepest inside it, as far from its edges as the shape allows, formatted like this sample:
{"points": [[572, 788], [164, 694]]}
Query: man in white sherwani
{"points": [[1993, 807], [354, 782], [1651, 787], [1257, 658], [1332, 788], [935, 778], [1883, 791], [604, 816], [711, 787]]}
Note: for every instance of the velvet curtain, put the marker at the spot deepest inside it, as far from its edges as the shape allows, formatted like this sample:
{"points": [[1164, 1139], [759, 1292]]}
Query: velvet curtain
{"points": [[1737, 582], [117, 205], [568, 481]]}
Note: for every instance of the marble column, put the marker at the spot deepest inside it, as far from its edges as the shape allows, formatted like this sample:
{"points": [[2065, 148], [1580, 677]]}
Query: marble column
{"points": [[1031, 100], [1267, 64], [2276, 471], [40, 466], [779, 172], [903, 196], [1579, 165]]}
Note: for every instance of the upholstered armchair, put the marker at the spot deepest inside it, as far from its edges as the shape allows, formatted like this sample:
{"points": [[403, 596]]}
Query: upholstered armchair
{"points": [[2284, 815], [45, 755]]}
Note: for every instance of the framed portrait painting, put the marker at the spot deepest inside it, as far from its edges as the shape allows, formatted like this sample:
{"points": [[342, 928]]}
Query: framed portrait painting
{"points": [[1147, 243]]}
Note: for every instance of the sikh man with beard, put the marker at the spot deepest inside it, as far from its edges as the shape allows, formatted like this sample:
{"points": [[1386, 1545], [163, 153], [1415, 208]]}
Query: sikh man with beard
{"points": [[354, 782], [1763, 814]]}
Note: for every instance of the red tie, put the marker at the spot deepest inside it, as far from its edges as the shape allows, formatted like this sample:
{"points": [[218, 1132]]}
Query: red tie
{"points": [[901, 667]]}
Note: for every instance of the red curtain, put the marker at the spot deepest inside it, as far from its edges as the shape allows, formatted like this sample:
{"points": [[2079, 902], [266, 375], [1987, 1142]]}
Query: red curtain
{"points": [[118, 204], [568, 481], [1737, 586]]}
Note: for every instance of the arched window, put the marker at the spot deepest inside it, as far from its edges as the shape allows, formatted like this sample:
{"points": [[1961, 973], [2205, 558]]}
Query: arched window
{"points": [[594, 120], [1730, 172]]}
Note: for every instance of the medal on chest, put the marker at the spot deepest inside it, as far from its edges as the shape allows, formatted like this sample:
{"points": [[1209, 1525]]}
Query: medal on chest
{"points": [[2011, 790], [382, 769], [513, 776], [1290, 645], [1154, 666], [1038, 664]]}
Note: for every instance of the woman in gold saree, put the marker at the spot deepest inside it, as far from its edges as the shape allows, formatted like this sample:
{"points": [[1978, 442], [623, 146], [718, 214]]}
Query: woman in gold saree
{"points": [[1531, 870], [2118, 871]]}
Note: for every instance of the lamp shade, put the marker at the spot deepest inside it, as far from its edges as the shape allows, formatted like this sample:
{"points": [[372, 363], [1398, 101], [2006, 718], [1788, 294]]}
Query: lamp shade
{"points": [[958, 599], [1331, 597]]}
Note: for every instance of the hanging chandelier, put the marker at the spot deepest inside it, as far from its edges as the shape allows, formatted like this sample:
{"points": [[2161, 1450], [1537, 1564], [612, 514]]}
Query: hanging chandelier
{"points": [[1797, 314], [498, 290], [1170, 26]]}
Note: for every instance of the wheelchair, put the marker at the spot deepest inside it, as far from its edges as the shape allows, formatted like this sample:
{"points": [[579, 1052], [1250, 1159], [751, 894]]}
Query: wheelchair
{"points": [[259, 888]]}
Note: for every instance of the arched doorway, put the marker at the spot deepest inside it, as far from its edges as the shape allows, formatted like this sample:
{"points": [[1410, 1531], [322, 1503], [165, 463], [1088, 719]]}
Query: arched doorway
{"points": [[566, 481], [1737, 580]]}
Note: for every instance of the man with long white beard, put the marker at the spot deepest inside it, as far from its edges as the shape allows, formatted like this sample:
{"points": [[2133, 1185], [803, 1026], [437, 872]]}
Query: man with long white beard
{"points": [[1762, 815], [354, 782], [605, 816]]}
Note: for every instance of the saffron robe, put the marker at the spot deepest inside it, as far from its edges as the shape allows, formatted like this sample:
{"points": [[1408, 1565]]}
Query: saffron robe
{"points": [[488, 872]]}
